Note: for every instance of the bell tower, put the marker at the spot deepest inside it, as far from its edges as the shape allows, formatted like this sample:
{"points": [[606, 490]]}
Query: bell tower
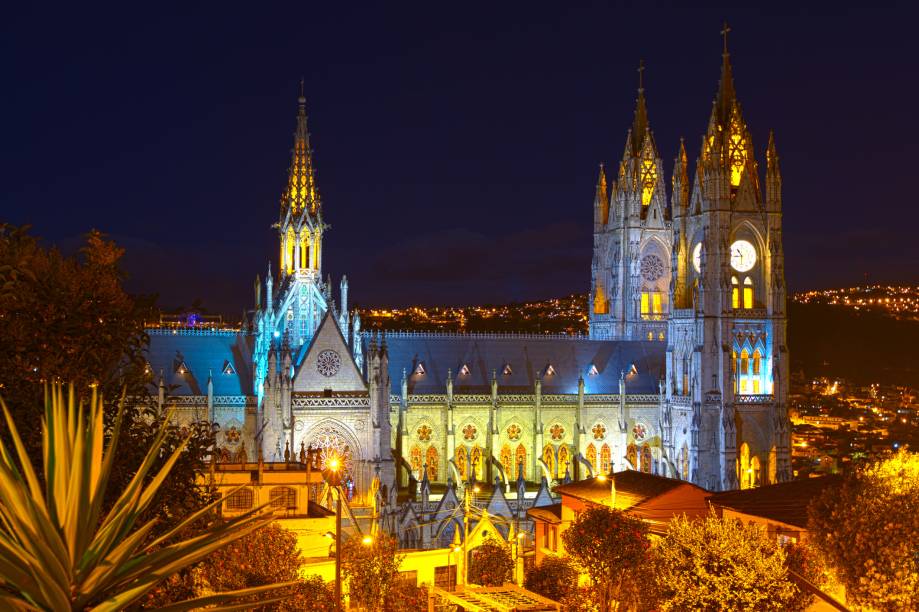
{"points": [[727, 358], [631, 261]]}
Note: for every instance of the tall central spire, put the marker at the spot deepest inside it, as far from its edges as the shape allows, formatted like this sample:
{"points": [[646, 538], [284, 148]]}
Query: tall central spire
{"points": [[726, 94], [301, 193], [640, 122]]}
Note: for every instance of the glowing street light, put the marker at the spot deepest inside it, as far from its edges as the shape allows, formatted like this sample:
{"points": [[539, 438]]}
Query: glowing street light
{"points": [[367, 540]]}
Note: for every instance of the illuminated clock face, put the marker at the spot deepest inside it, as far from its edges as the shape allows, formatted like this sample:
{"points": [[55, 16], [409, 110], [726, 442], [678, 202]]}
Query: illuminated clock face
{"points": [[697, 257], [743, 256]]}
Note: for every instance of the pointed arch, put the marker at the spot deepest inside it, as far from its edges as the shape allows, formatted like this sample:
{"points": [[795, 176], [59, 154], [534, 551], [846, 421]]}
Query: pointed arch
{"points": [[548, 456], [520, 457], [646, 458], [507, 462], [461, 461], [564, 460], [747, 293], [432, 460], [591, 455], [631, 455], [476, 462], [606, 457], [415, 461], [735, 293], [743, 464], [684, 462]]}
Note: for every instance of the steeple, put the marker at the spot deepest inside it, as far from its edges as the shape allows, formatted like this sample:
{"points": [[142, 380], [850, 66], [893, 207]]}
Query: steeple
{"points": [[773, 176], [681, 185], [640, 120], [601, 199], [301, 193], [726, 97]]}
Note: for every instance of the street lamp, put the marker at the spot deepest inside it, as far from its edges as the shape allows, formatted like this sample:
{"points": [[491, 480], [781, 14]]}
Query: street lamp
{"points": [[332, 475]]}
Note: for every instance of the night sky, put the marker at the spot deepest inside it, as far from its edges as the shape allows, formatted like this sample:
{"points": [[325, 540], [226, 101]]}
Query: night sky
{"points": [[456, 143]]}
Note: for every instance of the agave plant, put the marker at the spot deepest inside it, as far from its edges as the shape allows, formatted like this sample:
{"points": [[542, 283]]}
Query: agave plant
{"points": [[57, 549]]}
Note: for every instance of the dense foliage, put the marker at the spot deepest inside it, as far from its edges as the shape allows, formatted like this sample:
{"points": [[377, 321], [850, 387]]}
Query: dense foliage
{"points": [[491, 564], [269, 555], [69, 318], [62, 549], [721, 564], [609, 545], [371, 571], [555, 578], [868, 530], [803, 562]]}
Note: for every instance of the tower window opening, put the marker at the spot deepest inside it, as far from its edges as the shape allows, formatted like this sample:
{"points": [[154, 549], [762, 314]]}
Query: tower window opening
{"points": [[747, 293], [735, 293]]}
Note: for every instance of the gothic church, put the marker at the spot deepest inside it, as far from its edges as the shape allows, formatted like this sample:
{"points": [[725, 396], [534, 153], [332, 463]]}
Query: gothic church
{"points": [[684, 373]]}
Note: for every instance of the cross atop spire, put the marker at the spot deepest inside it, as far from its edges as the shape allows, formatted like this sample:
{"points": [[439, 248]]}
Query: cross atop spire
{"points": [[724, 33], [641, 69]]}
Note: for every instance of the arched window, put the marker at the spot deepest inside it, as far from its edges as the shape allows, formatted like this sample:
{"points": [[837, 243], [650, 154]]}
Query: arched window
{"points": [[431, 459], [744, 371], [520, 459], [415, 461], [773, 465], [591, 456], [548, 456], [605, 460], [754, 472], [747, 293], [461, 461], [240, 500], [563, 461], [631, 455], [506, 462], [745, 472], [735, 293], [305, 251], [476, 463], [646, 458], [283, 497], [756, 372]]}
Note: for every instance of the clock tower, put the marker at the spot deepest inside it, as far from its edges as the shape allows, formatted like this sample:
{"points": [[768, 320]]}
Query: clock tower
{"points": [[725, 419]]}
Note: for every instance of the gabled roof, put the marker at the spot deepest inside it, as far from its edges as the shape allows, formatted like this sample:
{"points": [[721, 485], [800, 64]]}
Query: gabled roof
{"points": [[655, 499], [547, 514], [201, 354], [527, 358], [784, 502]]}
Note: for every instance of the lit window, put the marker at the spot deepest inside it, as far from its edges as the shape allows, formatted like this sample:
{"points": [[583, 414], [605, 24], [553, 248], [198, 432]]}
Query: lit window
{"points": [[645, 302], [735, 293], [240, 500], [747, 293], [656, 306], [744, 362]]}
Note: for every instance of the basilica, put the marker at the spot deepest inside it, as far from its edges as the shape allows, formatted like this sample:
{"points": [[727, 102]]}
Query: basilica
{"points": [[684, 373]]}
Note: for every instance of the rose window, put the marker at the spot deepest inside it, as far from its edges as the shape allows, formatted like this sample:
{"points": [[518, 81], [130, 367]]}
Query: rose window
{"points": [[328, 363], [469, 432], [652, 268], [599, 431], [557, 432], [232, 435], [639, 431], [513, 432], [424, 433]]}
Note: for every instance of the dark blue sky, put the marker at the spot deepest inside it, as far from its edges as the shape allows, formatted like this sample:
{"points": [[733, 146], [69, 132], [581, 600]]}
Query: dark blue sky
{"points": [[456, 144]]}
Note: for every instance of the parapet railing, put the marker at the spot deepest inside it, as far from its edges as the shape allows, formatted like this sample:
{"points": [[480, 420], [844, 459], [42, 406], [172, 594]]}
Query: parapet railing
{"points": [[434, 335]]}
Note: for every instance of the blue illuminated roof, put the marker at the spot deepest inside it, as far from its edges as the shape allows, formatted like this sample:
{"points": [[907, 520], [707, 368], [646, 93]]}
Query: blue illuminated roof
{"points": [[527, 357], [202, 354]]}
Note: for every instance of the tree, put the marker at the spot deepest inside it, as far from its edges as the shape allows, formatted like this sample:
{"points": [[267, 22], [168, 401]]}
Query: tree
{"points": [[69, 318], [720, 564], [804, 562], [61, 550], [608, 544], [491, 563], [554, 578], [868, 529], [371, 570]]}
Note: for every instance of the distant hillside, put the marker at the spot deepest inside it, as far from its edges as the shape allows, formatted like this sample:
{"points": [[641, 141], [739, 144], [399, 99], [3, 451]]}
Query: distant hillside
{"points": [[824, 340], [864, 347]]}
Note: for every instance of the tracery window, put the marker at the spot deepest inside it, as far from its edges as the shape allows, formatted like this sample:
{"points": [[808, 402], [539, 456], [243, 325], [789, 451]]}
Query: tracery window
{"points": [[735, 293], [631, 455], [591, 455], [461, 461], [646, 458], [520, 459], [431, 459], [548, 456], [415, 460], [563, 461], [684, 462], [476, 463], [606, 463], [506, 462]]}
